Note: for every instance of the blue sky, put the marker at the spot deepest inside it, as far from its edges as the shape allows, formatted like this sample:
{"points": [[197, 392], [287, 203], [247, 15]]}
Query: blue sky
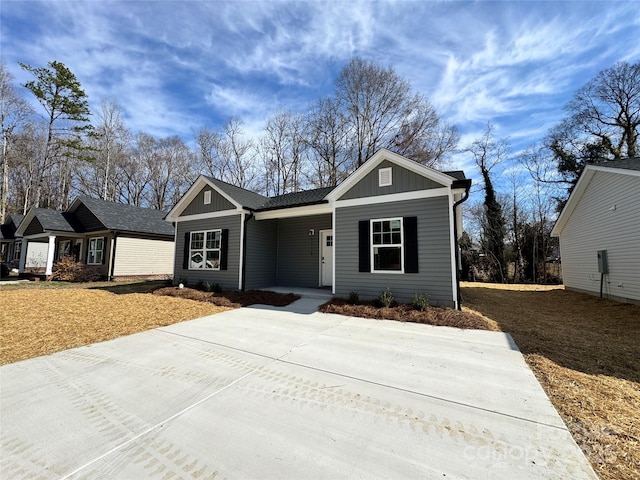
{"points": [[177, 66]]}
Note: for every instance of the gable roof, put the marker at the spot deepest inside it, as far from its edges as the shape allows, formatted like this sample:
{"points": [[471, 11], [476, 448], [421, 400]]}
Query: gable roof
{"points": [[382, 155], [8, 229], [50, 220], [625, 166], [125, 218], [243, 197]]}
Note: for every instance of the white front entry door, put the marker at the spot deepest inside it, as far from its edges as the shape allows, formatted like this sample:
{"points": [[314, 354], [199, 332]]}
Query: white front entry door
{"points": [[326, 258]]}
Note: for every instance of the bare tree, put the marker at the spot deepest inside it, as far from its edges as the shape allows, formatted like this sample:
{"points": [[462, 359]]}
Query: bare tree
{"points": [[487, 154], [14, 113], [381, 110]]}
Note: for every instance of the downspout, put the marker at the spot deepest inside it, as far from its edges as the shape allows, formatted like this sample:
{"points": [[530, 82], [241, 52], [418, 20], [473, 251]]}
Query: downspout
{"points": [[455, 240], [112, 257], [244, 250]]}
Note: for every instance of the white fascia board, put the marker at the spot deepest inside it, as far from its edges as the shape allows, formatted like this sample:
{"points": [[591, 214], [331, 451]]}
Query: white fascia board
{"points": [[304, 211], [375, 160], [394, 197], [191, 194], [204, 216]]}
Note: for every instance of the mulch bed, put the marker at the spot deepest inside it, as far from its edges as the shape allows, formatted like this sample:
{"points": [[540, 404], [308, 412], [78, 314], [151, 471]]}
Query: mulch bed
{"points": [[444, 317], [231, 299]]}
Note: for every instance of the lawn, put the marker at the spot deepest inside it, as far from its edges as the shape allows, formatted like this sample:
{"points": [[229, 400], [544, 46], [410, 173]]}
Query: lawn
{"points": [[585, 353]]}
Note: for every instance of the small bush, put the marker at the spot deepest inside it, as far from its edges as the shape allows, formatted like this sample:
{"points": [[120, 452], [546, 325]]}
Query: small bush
{"points": [[385, 298], [215, 288], [420, 302], [68, 270], [354, 298]]}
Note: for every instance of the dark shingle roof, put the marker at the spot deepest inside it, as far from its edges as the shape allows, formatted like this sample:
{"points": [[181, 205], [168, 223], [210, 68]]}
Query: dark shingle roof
{"points": [[626, 163], [245, 198], [53, 220], [306, 197], [128, 218], [457, 174], [8, 229]]}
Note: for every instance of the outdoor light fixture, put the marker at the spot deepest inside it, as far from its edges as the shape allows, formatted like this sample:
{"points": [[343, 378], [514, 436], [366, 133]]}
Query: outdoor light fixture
{"points": [[312, 232]]}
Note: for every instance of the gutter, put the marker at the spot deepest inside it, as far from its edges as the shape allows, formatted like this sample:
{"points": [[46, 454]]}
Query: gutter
{"points": [[247, 217], [467, 186]]}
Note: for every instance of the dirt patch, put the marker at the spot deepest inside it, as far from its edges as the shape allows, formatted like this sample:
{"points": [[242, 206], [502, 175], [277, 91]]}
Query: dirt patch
{"points": [[585, 353], [446, 317]]}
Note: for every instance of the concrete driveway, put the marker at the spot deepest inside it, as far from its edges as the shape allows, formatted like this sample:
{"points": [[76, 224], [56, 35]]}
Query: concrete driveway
{"points": [[284, 393]]}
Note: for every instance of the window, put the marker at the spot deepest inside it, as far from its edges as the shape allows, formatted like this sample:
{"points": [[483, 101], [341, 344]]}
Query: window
{"points": [[17, 247], [386, 245], [64, 249], [207, 197], [385, 177], [204, 250], [95, 255]]}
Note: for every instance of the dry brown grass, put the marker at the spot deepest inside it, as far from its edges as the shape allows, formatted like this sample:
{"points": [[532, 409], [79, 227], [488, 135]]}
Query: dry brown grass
{"points": [[586, 354], [43, 321]]}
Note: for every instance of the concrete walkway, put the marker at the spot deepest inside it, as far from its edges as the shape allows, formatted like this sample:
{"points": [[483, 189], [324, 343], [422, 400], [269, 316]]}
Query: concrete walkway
{"points": [[284, 393]]}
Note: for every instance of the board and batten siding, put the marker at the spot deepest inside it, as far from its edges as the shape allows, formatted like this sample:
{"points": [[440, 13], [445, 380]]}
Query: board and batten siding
{"points": [[298, 252], [403, 180], [87, 219], [227, 279], [434, 252], [595, 225], [261, 261], [197, 205], [141, 256]]}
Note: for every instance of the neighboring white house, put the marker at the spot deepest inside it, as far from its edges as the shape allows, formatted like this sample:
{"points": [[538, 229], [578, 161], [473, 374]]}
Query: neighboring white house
{"points": [[599, 230]]}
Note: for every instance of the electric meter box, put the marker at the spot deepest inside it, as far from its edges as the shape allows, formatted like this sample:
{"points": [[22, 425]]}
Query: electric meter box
{"points": [[603, 265]]}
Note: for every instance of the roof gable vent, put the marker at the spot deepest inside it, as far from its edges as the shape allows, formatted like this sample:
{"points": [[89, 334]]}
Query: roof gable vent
{"points": [[385, 178]]}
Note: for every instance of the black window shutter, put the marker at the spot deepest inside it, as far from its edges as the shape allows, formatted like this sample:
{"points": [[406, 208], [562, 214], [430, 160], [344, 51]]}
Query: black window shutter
{"points": [[224, 248], [104, 250], [364, 247], [185, 256], [410, 244]]}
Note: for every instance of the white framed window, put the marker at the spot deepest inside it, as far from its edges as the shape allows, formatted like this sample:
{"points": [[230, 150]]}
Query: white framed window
{"points": [[204, 250], [64, 249], [387, 245], [385, 177], [207, 197], [17, 248], [95, 252]]}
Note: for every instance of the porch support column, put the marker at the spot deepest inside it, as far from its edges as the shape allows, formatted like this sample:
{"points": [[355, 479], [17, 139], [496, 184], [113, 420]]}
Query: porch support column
{"points": [[51, 251], [23, 255]]}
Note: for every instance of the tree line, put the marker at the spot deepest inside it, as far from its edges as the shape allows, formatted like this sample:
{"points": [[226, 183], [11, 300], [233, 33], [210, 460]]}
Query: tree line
{"points": [[60, 150]]}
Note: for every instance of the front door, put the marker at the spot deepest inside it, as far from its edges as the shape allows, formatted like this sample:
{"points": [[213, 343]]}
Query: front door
{"points": [[326, 258]]}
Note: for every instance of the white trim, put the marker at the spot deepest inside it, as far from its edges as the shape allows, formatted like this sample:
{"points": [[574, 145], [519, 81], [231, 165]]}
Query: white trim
{"points": [[51, 250], [376, 159], [454, 253], [102, 250], [333, 228], [303, 211], [371, 245], [321, 245], [242, 217], [191, 194], [581, 186], [204, 250], [23, 255], [393, 197], [205, 216]]}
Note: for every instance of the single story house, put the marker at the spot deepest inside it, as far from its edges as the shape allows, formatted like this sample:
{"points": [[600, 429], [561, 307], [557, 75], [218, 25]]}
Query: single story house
{"points": [[122, 241], [393, 223], [10, 246], [599, 230]]}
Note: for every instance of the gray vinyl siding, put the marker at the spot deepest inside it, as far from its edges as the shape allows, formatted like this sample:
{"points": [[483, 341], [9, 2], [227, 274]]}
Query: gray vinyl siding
{"points": [[261, 260], [298, 252], [434, 252], [403, 181], [227, 279], [218, 203], [594, 225]]}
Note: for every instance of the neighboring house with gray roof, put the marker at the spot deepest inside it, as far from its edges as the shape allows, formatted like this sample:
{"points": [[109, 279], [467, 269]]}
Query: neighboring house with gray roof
{"points": [[599, 231], [393, 224], [122, 241], [10, 246]]}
